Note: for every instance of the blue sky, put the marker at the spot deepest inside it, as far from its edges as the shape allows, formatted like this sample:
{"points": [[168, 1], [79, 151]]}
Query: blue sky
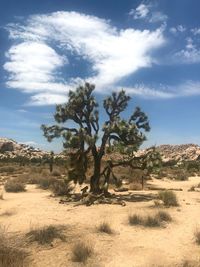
{"points": [[149, 48]]}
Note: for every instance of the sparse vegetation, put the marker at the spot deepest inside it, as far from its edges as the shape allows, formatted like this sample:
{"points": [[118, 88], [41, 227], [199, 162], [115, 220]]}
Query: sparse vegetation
{"points": [[168, 198], [46, 234], [164, 216], [60, 187], [105, 227], [197, 236], [11, 255], [14, 186], [81, 252], [155, 220], [7, 169]]}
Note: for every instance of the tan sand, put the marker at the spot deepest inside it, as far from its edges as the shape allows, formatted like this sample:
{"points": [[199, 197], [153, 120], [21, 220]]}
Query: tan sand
{"points": [[130, 246]]}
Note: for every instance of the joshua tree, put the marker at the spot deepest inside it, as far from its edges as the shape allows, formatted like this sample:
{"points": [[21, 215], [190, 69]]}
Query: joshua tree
{"points": [[85, 137]]}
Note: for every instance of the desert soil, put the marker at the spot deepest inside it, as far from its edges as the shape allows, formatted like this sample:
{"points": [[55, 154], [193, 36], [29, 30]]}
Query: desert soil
{"points": [[129, 246]]}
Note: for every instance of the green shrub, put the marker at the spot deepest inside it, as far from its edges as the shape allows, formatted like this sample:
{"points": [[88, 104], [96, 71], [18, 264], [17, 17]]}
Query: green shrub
{"points": [[168, 197], [81, 252], [14, 186], [46, 234], [104, 227]]}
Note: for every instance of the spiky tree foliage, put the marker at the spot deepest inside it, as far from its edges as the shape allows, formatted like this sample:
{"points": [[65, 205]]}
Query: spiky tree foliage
{"points": [[81, 110]]}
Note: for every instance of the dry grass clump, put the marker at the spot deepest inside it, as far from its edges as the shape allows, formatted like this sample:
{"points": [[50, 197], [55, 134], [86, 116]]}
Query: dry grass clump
{"points": [[168, 198], [197, 236], [11, 255], [1, 196], [14, 186], [7, 169], [7, 213], [135, 219], [81, 252], [46, 234], [46, 182], [105, 227], [60, 187], [164, 216], [155, 220]]}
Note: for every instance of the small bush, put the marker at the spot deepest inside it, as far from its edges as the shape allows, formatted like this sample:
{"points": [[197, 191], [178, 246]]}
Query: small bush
{"points": [[1, 195], [197, 236], [60, 187], [46, 182], [156, 220], [163, 216], [14, 186], [46, 234], [151, 221], [81, 252], [104, 227], [135, 219], [168, 197], [8, 169]]}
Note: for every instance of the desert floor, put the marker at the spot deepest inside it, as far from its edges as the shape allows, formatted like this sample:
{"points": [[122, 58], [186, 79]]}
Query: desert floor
{"points": [[129, 246]]}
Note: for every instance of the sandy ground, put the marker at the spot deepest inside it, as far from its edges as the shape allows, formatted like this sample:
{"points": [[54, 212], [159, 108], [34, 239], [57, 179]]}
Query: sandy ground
{"points": [[129, 246]]}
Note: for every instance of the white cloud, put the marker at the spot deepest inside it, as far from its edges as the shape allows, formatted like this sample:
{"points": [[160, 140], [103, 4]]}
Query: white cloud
{"points": [[140, 12], [184, 89], [195, 31], [149, 13], [47, 99], [190, 54], [180, 28], [34, 62]]}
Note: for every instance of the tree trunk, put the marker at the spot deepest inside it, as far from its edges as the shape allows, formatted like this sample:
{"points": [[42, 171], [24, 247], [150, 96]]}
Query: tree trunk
{"points": [[95, 179]]}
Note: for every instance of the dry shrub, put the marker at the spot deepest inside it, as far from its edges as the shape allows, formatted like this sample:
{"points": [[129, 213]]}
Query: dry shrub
{"points": [[155, 220], [197, 236], [61, 187], [14, 186], [135, 219], [168, 197], [164, 216], [46, 234], [81, 252], [11, 255], [105, 227], [46, 182], [1, 196], [8, 169]]}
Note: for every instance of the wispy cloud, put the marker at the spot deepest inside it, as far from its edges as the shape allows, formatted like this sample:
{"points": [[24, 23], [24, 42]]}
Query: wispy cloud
{"points": [[148, 12], [44, 43], [178, 29], [190, 54], [184, 89]]}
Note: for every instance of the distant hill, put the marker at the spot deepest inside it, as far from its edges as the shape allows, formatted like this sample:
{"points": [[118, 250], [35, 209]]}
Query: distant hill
{"points": [[186, 152]]}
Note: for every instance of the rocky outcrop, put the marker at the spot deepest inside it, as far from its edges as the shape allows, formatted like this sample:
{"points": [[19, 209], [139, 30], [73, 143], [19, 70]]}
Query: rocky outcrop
{"points": [[11, 149], [186, 152]]}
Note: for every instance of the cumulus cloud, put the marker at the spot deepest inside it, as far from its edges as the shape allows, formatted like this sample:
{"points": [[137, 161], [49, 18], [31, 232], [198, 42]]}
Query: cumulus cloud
{"points": [[43, 44], [148, 12]]}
